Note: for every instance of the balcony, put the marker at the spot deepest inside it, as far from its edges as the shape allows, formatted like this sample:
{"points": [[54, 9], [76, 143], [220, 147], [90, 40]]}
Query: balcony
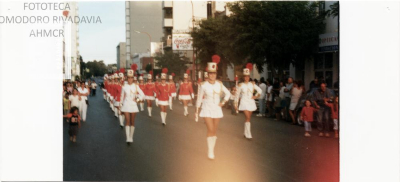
{"points": [[168, 22], [168, 4]]}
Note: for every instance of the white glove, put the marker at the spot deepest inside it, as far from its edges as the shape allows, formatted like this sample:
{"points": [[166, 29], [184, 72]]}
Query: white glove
{"points": [[156, 102], [192, 95]]}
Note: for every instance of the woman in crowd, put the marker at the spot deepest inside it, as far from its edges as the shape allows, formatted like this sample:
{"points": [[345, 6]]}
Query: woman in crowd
{"points": [[211, 109], [130, 95], [247, 103], [83, 92], [296, 94]]}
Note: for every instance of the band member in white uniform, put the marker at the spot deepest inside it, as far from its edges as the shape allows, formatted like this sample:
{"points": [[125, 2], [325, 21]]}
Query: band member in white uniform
{"points": [[247, 103], [130, 95], [211, 110], [83, 92]]}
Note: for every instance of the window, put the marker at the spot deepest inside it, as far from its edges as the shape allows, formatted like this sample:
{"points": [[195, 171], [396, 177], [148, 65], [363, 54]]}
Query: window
{"points": [[323, 65]]}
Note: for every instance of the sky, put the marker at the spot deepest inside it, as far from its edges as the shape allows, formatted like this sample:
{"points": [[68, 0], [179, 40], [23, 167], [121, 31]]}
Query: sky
{"points": [[98, 41]]}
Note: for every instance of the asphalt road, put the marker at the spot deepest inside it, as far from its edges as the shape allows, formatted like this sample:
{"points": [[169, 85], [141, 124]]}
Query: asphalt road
{"points": [[178, 152]]}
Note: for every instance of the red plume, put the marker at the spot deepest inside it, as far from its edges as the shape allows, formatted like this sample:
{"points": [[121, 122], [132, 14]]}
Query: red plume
{"points": [[122, 70], [165, 70], [187, 71], [215, 59], [173, 74], [117, 72], [249, 66], [134, 67], [151, 72]]}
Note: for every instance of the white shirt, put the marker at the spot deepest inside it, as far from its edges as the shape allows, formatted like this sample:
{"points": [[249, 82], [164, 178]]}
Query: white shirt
{"points": [[296, 94], [74, 100], [83, 91], [130, 92], [263, 87], [212, 94], [282, 92], [94, 85], [269, 91], [245, 91]]}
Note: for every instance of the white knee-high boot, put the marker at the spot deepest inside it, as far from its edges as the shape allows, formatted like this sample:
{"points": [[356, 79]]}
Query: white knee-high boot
{"points": [[210, 143], [115, 112], [131, 133], [162, 118], [121, 120], [149, 109], [127, 132], [141, 106], [247, 131], [186, 110], [170, 103]]}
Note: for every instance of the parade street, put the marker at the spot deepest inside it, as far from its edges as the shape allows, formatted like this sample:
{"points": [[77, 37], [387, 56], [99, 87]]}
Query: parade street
{"points": [[178, 151]]}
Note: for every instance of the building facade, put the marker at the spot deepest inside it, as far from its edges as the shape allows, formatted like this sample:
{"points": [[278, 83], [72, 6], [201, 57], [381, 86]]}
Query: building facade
{"points": [[71, 64], [121, 55]]}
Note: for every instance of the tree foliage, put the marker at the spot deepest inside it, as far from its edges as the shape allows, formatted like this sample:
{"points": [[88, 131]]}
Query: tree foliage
{"points": [[334, 11], [173, 62], [272, 33], [96, 68]]}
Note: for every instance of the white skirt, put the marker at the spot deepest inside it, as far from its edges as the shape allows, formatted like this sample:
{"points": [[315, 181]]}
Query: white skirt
{"points": [[173, 94], [292, 106], [211, 112], [104, 90], [116, 103], [129, 106], [247, 105], [149, 97], [163, 103], [185, 97], [112, 98], [108, 94]]}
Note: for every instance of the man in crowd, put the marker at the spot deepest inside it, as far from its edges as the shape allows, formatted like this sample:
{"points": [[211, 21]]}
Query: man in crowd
{"points": [[319, 96], [289, 86]]}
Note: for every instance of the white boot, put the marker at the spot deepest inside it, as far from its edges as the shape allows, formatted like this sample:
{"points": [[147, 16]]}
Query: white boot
{"points": [[165, 118], [162, 118], [247, 130], [116, 112], [121, 120], [214, 142], [210, 143], [141, 106], [131, 133], [170, 103], [186, 110], [149, 109], [127, 132]]}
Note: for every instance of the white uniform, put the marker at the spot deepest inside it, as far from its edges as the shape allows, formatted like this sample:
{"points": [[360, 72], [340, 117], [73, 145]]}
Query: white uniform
{"points": [[245, 92], [212, 97], [83, 105], [128, 97]]}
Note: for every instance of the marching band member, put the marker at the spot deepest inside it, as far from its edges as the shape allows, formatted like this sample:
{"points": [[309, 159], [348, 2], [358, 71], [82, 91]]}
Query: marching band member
{"points": [[163, 93], [135, 80], [142, 87], [198, 90], [211, 109], [157, 81], [173, 89], [150, 89], [113, 83], [83, 92], [104, 87], [130, 95], [121, 116], [186, 92], [247, 103], [117, 94]]}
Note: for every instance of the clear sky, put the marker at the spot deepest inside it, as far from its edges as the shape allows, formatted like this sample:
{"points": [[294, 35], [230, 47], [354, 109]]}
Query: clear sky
{"points": [[99, 41]]}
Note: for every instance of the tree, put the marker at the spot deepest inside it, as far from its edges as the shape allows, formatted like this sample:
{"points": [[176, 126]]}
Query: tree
{"points": [[334, 11], [277, 33], [149, 67], [95, 68], [172, 61]]}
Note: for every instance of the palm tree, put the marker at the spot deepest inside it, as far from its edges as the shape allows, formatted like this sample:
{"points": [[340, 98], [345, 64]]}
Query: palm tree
{"points": [[334, 11]]}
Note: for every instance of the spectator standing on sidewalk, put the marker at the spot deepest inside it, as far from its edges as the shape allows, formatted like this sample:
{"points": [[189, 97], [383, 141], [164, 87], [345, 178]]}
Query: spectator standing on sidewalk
{"points": [[314, 84], [94, 87], [261, 100], [320, 96], [296, 94], [287, 90], [268, 98]]}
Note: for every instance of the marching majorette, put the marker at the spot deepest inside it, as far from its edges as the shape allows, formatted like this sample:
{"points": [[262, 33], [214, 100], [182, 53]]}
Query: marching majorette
{"points": [[245, 91], [186, 92], [113, 88], [149, 91], [104, 86], [121, 116], [163, 93], [211, 109], [130, 95], [173, 89], [135, 80], [108, 88], [142, 87], [157, 81], [117, 95]]}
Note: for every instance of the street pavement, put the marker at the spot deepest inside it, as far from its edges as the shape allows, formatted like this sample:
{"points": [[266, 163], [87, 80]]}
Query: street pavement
{"points": [[178, 151]]}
